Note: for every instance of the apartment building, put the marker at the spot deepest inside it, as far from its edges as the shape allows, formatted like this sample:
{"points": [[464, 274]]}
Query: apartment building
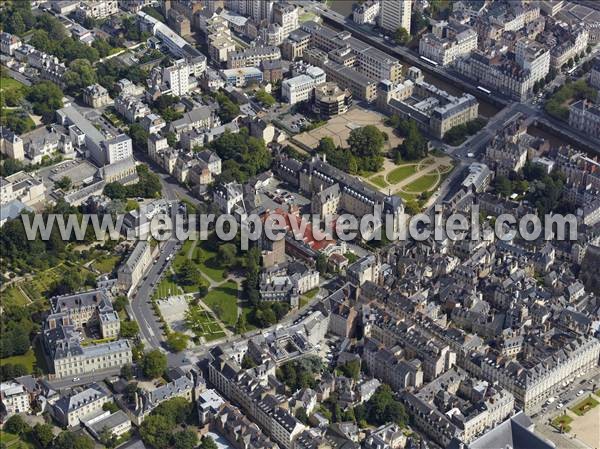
{"points": [[133, 269], [499, 72], [220, 45], [24, 187], [585, 116], [293, 47], [388, 365], [436, 356], [353, 53], [11, 145], [243, 388], [534, 57], [455, 406], [134, 5], [568, 44], [97, 9], [70, 410], [96, 96], [177, 77], [286, 16], [9, 43], [252, 57], [49, 66], [542, 377], [117, 149], [14, 398], [512, 18], [131, 108], [199, 118], [230, 422], [366, 12], [447, 42], [394, 14], [84, 134], [257, 9], [180, 22], [301, 87], [361, 86]]}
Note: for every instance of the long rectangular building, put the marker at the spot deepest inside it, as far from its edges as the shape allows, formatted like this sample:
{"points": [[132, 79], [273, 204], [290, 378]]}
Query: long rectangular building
{"points": [[176, 44], [364, 58], [351, 195]]}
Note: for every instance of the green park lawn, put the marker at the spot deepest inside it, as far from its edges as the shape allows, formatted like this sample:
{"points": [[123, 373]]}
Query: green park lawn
{"points": [[12, 441], [379, 181], [223, 301], [305, 298], [166, 288], [13, 296], [401, 173], [8, 83], [407, 196], [584, 406], [106, 264], [207, 262], [28, 360], [423, 184], [562, 421]]}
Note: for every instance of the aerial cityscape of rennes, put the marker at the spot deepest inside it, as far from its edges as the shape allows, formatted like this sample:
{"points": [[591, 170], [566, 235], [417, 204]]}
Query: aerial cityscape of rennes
{"points": [[300, 224]]}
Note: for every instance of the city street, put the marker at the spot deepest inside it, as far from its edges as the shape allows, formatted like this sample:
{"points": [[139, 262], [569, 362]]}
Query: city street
{"points": [[568, 398]]}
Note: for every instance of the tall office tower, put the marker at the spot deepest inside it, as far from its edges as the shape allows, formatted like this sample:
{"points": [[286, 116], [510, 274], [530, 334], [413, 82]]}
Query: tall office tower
{"points": [[394, 14]]}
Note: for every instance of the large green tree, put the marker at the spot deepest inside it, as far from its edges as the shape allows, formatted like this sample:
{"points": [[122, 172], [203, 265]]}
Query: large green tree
{"points": [[43, 434], [156, 431], [70, 440], [366, 144], [81, 74], [154, 364], [46, 97]]}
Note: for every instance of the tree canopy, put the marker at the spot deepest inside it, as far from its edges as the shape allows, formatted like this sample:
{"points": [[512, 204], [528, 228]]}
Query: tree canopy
{"points": [[244, 156], [148, 186], [154, 364], [45, 97], [382, 408]]}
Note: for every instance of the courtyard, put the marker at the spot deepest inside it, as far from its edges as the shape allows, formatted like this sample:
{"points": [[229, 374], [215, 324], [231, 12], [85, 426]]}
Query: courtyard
{"points": [[339, 128], [412, 178]]}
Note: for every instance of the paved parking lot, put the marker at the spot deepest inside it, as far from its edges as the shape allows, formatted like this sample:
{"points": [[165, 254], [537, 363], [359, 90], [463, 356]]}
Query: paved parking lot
{"points": [[277, 196]]}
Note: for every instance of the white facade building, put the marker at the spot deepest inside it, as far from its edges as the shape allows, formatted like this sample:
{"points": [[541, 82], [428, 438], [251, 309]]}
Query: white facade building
{"points": [[366, 12], [14, 398], [301, 87], [117, 149], [178, 77], [394, 14]]}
